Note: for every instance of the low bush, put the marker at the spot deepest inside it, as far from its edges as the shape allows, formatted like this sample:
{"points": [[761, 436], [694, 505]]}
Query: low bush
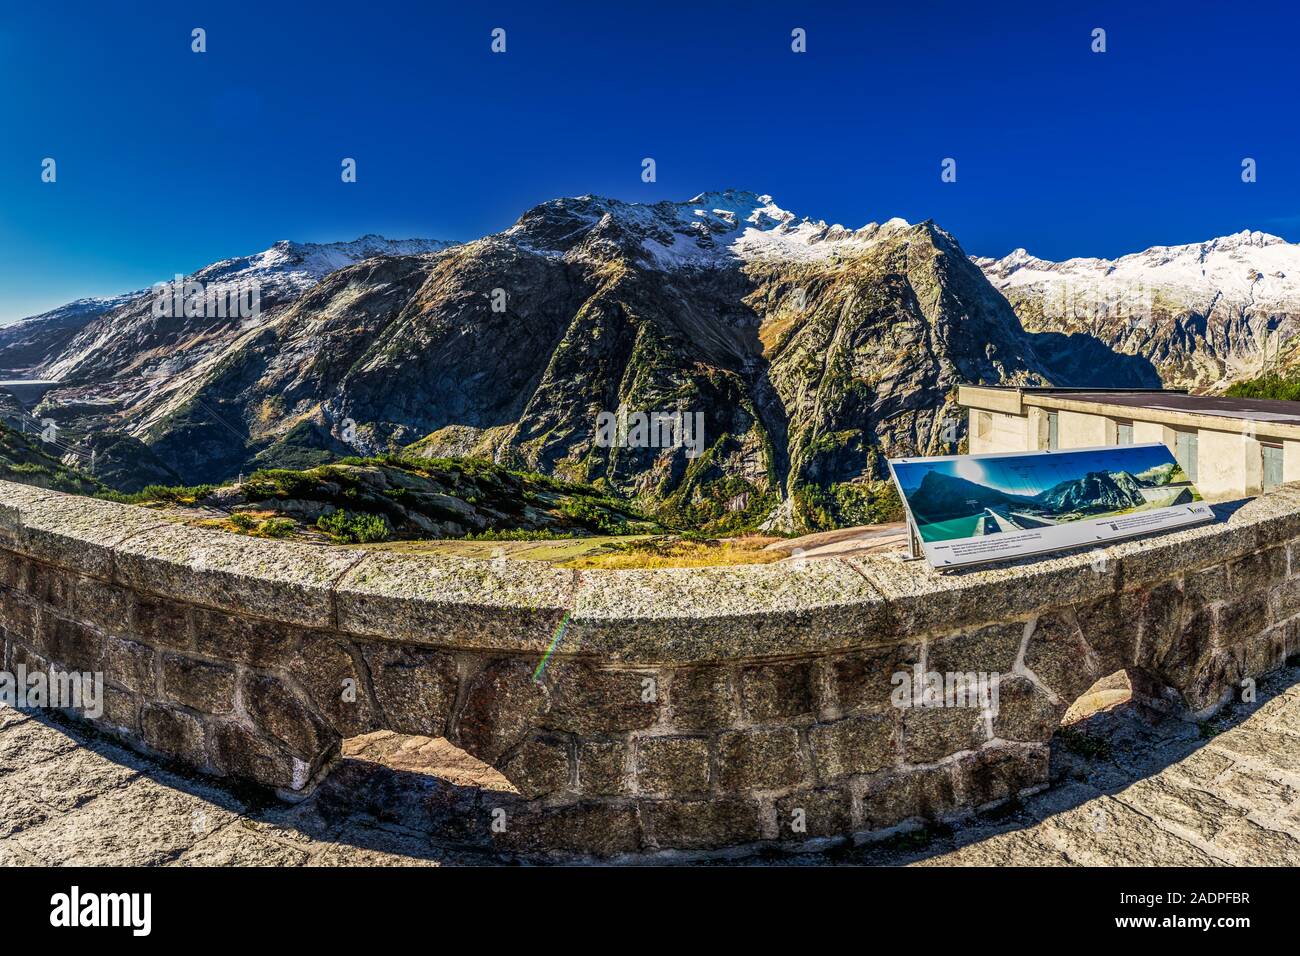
{"points": [[360, 527]]}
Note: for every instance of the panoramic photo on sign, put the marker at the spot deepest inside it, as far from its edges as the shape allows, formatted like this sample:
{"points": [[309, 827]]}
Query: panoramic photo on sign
{"points": [[971, 508]]}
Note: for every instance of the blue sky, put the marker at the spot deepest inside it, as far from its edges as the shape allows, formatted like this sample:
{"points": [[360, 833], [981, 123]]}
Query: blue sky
{"points": [[168, 160]]}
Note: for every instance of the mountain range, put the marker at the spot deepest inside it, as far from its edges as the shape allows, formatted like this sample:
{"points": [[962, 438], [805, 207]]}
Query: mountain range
{"points": [[811, 350], [942, 497], [1204, 314]]}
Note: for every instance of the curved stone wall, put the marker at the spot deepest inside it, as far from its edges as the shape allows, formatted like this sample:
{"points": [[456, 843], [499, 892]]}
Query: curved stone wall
{"points": [[678, 709]]}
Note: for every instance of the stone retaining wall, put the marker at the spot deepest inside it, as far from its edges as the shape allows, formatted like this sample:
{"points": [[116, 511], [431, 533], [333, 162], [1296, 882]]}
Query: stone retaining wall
{"points": [[681, 709]]}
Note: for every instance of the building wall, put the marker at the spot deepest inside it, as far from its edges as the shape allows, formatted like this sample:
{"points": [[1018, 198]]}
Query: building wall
{"points": [[1230, 464], [1147, 432], [997, 431], [1037, 429], [1081, 430], [1291, 461], [1251, 455]]}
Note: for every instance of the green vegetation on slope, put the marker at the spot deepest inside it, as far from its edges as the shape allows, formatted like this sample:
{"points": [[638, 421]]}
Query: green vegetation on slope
{"points": [[22, 460], [370, 500], [846, 504], [161, 495], [1271, 385], [344, 527]]}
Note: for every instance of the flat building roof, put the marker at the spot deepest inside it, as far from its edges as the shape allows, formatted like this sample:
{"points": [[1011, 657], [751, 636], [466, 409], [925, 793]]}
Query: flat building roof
{"points": [[1171, 406], [1243, 409]]}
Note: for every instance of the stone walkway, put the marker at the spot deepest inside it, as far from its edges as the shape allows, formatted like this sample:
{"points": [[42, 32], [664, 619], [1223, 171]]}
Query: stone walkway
{"points": [[1133, 789]]}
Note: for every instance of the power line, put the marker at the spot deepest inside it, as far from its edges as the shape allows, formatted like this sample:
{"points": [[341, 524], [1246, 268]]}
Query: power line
{"points": [[221, 421]]}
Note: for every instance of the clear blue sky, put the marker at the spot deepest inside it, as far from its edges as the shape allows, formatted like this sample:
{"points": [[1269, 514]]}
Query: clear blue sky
{"points": [[168, 160]]}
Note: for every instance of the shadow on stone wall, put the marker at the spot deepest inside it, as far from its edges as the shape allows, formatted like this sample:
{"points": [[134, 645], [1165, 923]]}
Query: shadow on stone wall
{"points": [[365, 805]]}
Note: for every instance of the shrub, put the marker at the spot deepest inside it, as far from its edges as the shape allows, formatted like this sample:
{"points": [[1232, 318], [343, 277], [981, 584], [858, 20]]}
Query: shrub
{"points": [[519, 534], [591, 516], [159, 494], [280, 483], [354, 527], [873, 503], [845, 505], [276, 527]]}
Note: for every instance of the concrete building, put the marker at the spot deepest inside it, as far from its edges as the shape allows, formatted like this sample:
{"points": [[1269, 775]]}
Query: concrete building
{"points": [[1230, 447]]}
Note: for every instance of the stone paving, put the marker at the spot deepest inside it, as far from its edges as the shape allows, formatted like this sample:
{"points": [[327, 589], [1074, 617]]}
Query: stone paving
{"points": [[1133, 788]]}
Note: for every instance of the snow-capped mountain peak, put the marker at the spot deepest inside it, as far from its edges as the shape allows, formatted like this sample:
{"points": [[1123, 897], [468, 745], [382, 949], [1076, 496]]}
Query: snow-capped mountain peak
{"points": [[103, 338], [300, 265], [708, 230]]}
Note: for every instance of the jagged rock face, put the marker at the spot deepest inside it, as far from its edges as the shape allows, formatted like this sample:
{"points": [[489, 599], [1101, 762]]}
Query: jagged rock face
{"points": [[1203, 315], [122, 462], [810, 351]]}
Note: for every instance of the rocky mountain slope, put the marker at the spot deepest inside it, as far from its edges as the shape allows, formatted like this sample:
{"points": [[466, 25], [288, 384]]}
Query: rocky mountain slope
{"points": [[32, 342], [1204, 314], [1095, 492], [810, 351], [114, 353], [942, 497]]}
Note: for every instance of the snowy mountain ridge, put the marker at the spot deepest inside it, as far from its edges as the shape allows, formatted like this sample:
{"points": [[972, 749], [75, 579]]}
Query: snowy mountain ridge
{"points": [[711, 230], [1248, 265]]}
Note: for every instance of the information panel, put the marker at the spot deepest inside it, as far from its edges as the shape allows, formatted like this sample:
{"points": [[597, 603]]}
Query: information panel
{"points": [[971, 508]]}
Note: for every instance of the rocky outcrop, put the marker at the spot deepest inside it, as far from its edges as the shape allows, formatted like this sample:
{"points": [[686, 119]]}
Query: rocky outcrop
{"points": [[24, 458], [122, 463]]}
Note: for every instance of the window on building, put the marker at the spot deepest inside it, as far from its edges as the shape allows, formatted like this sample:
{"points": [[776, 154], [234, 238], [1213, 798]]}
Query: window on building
{"points": [[983, 425], [1123, 433], [1053, 430], [1185, 451], [1272, 465]]}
